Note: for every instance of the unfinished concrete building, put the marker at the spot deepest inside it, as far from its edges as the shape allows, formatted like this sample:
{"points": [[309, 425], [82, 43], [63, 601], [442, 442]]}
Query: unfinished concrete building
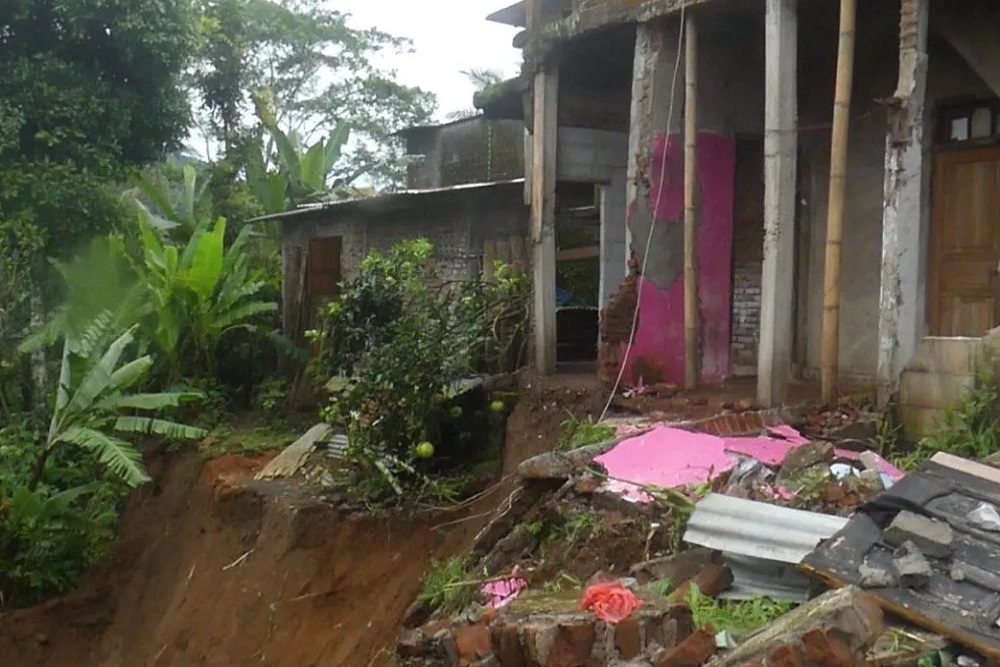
{"points": [[607, 89]]}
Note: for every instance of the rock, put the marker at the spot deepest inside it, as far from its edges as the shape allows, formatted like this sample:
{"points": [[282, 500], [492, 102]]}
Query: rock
{"points": [[417, 614], [516, 506], [445, 642], [412, 644], [870, 460], [848, 614], [472, 643], [912, 567], [985, 517], [807, 456], [933, 538], [876, 577], [694, 651], [555, 466], [871, 480], [587, 486], [957, 572]]}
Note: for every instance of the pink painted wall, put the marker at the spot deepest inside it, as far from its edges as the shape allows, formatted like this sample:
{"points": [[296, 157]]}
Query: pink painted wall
{"points": [[659, 340]]}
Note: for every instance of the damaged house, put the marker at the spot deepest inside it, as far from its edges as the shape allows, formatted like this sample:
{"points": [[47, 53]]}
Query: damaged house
{"points": [[719, 116]]}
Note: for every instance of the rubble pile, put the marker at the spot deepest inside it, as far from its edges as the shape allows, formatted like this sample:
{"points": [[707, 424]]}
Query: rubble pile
{"points": [[876, 567]]}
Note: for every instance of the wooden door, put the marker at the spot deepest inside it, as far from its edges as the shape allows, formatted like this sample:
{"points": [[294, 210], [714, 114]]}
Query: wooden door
{"points": [[323, 273], [965, 242]]}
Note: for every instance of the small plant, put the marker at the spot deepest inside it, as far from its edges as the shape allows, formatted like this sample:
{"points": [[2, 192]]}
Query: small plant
{"points": [[271, 395], [739, 618], [887, 432], [579, 433], [447, 588]]}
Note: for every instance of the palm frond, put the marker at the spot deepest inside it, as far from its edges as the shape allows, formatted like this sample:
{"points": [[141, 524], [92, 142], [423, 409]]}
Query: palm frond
{"points": [[146, 402], [98, 377], [160, 427], [118, 456]]}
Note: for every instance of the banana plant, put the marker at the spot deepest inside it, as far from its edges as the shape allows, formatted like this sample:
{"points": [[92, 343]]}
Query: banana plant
{"points": [[173, 208], [199, 293], [96, 401]]}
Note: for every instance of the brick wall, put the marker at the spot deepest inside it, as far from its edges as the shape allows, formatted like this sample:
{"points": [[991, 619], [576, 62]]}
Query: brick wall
{"points": [[476, 150], [748, 256]]}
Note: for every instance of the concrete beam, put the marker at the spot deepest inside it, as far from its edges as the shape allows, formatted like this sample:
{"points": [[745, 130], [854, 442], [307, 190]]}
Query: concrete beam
{"points": [[543, 215], [906, 215], [974, 32], [780, 151]]}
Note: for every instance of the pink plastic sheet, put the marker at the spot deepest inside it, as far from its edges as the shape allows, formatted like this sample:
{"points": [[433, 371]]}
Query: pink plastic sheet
{"points": [[501, 593], [672, 458]]}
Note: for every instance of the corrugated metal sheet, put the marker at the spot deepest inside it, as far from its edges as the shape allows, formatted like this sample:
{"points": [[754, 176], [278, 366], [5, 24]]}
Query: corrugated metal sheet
{"points": [[749, 528], [770, 578]]}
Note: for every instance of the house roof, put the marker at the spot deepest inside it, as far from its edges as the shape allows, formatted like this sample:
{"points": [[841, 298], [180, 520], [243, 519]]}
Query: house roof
{"points": [[387, 202]]}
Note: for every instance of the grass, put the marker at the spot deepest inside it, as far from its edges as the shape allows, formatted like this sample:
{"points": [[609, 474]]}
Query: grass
{"points": [[446, 586], [739, 618], [250, 440], [579, 433]]}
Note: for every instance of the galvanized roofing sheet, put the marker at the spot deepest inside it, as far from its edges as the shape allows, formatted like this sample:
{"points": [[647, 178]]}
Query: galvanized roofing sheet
{"points": [[749, 528]]}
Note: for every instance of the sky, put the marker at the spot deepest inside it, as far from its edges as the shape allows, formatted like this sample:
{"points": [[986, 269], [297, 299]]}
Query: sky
{"points": [[448, 36]]}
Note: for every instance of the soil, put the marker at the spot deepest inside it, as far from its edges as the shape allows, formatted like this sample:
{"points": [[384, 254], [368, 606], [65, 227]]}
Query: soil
{"points": [[214, 569]]}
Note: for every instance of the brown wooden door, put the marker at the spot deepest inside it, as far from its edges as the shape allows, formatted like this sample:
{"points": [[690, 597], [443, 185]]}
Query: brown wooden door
{"points": [[323, 273], [965, 243]]}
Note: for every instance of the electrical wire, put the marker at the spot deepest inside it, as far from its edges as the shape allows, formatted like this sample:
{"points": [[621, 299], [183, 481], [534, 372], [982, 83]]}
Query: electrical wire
{"points": [[656, 207]]}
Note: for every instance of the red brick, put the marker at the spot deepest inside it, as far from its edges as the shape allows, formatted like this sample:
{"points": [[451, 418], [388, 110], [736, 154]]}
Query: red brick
{"points": [[712, 580], [506, 644], [627, 639], [826, 650], [431, 628], [694, 651], [472, 642], [574, 645], [785, 656]]}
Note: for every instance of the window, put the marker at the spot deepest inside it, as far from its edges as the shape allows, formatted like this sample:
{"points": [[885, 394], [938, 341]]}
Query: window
{"points": [[974, 122]]}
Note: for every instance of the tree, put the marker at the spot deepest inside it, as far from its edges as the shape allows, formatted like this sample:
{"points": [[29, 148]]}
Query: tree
{"points": [[320, 74], [481, 79]]}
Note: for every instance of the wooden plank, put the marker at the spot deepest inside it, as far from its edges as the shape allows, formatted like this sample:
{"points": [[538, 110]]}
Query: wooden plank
{"points": [[988, 473], [543, 218], [584, 252]]}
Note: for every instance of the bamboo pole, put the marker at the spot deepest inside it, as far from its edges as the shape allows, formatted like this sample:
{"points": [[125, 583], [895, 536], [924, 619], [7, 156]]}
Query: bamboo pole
{"points": [[829, 362], [691, 325]]}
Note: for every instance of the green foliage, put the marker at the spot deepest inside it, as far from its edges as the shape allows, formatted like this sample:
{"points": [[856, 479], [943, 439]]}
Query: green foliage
{"points": [[390, 349], [740, 618], [972, 430], [583, 432], [320, 73], [445, 587], [271, 395]]}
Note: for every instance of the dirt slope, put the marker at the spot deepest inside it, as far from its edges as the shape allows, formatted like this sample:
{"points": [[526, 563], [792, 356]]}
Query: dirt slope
{"points": [[212, 572], [317, 588]]}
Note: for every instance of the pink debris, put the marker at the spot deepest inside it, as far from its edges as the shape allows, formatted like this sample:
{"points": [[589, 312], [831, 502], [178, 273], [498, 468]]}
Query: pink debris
{"points": [[769, 451], [665, 457], [501, 593], [789, 433], [894, 473]]}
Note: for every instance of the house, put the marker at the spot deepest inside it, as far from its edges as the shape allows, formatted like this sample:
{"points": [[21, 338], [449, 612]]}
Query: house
{"points": [[722, 112]]}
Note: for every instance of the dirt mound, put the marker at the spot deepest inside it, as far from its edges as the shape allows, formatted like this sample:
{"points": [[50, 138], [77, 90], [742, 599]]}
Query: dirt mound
{"points": [[211, 571], [214, 569]]}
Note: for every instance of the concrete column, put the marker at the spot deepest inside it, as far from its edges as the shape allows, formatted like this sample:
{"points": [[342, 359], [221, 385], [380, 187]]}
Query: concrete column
{"points": [[614, 249], [906, 214], [543, 216], [780, 149]]}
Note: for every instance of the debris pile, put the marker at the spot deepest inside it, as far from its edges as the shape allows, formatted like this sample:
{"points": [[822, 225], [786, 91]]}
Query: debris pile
{"points": [[832, 555]]}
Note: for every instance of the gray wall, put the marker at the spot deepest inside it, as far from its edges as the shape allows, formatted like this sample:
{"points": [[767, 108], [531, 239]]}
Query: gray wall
{"points": [[476, 150]]}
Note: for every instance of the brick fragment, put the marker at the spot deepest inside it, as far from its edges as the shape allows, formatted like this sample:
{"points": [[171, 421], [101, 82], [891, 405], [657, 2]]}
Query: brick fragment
{"points": [[472, 643], [712, 580], [785, 656], [827, 650], [628, 639], [932, 537], [694, 651]]}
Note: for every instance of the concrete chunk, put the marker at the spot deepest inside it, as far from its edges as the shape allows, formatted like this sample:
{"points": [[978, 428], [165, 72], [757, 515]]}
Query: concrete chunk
{"points": [[876, 577], [933, 538], [911, 565]]}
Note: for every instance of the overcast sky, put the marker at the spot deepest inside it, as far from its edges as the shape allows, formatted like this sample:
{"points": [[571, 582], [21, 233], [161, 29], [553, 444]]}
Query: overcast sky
{"points": [[448, 36]]}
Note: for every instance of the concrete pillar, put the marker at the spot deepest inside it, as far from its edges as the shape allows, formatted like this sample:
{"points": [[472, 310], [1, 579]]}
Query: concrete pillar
{"points": [[906, 214], [780, 149], [614, 248], [543, 216]]}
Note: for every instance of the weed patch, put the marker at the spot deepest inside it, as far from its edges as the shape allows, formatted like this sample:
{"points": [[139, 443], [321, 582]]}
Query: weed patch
{"points": [[740, 618], [579, 433], [447, 586]]}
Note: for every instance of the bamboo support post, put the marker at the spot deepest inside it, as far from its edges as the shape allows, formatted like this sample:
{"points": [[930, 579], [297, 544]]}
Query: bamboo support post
{"points": [[829, 362], [691, 324]]}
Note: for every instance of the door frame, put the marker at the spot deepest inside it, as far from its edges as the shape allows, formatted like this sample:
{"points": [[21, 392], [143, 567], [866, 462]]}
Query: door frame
{"points": [[942, 158]]}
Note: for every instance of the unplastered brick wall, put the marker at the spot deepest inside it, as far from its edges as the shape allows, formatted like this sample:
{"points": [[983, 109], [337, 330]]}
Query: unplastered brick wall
{"points": [[748, 256]]}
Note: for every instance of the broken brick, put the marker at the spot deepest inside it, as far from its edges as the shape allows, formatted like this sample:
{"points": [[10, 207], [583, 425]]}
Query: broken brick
{"points": [[506, 644], [826, 650], [785, 656], [807, 455], [932, 537], [628, 639], [412, 644], [712, 580], [694, 651], [472, 643]]}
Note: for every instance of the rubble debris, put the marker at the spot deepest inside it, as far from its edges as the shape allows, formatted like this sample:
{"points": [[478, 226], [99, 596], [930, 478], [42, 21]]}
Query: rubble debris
{"points": [[294, 457], [912, 567], [513, 509], [806, 456], [548, 631], [932, 537], [826, 629], [961, 596], [985, 517], [502, 592], [711, 581], [610, 601], [876, 577]]}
